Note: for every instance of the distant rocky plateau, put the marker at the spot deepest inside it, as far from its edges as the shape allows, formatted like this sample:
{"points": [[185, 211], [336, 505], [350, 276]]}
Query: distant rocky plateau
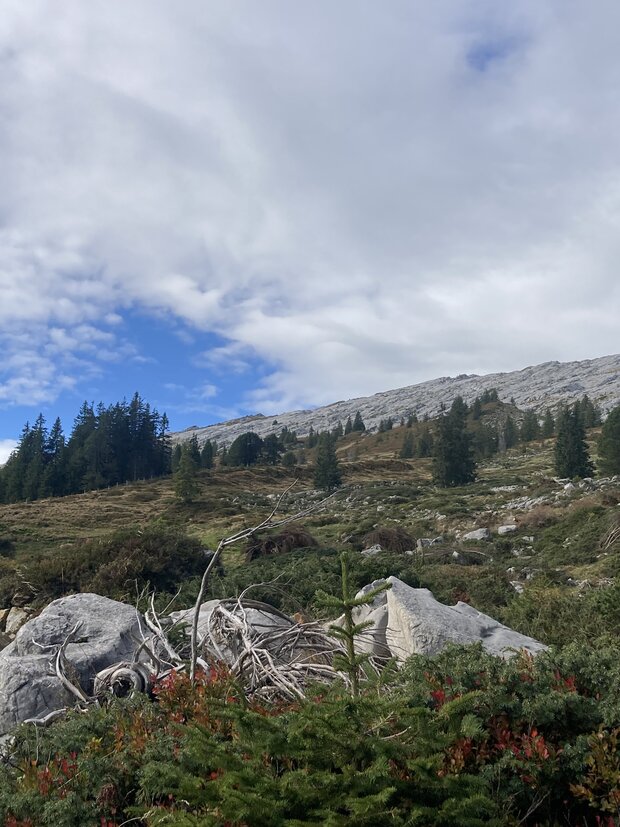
{"points": [[534, 388]]}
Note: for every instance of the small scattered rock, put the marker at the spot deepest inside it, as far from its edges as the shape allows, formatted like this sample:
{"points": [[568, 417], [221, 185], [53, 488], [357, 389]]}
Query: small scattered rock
{"points": [[506, 529], [372, 550], [15, 620], [477, 534]]}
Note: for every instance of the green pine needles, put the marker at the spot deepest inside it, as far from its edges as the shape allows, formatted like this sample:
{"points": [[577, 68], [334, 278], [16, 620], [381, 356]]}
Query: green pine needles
{"points": [[351, 662]]}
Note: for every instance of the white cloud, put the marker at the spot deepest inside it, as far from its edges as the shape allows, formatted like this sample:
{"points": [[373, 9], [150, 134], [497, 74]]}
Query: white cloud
{"points": [[6, 447], [362, 194]]}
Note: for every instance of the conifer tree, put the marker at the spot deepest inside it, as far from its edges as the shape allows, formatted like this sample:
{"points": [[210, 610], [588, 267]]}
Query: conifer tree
{"points": [[530, 428], [424, 444], [271, 449], [327, 474], [609, 444], [207, 455], [348, 426], [246, 450], [352, 661], [453, 462], [548, 425], [358, 422], [185, 478], [406, 452], [571, 452], [511, 435]]}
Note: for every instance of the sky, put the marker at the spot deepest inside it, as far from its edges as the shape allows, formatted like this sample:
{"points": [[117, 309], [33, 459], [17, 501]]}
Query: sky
{"points": [[240, 207]]}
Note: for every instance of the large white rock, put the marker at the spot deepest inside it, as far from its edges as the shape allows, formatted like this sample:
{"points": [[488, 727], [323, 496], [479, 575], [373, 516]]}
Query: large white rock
{"points": [[408, 621], [420, 625], [29, 687]]}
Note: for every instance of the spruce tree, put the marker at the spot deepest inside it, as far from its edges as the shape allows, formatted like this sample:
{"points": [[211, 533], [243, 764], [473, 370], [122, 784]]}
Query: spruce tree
{"points": [[548, 425], [358, 422], [609, 444], [348, 426], [327, 474], [511, 435], [453, 462], [271, 449], [207, 454], [571, 452], [406, 452], [530, 428], [185, 478], [246, 450]]}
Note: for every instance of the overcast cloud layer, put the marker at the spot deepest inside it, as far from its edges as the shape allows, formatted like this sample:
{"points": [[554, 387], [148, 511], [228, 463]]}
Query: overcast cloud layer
{"points": [[362, 195]]}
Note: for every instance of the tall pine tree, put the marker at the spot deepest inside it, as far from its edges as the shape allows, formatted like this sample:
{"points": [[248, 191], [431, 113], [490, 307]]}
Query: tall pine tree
{"points": [[571, 452], [453, 462]]}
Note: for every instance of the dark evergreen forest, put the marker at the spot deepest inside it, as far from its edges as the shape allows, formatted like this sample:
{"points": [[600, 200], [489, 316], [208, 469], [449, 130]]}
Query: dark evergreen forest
{"points": [[123, 442]]}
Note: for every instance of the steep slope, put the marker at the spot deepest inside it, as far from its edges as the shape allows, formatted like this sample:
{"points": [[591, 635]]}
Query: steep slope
{"points": [[536, 387]]}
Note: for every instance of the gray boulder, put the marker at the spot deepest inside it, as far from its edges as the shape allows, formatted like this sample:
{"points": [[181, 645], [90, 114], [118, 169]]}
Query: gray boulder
{"points": [[477, 534], [29, 687], [15, 620], [372, 551], [407, 621], [420, 625], [506, 529]]}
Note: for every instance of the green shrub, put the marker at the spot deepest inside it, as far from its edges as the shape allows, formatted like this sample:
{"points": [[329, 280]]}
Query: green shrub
{"points": [[291, 580], [120, 565]]}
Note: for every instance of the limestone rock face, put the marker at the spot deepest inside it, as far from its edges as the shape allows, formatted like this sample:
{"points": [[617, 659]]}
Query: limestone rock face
{"points": [[408, 621], [534, 388], [419, 624], [29, 687]]}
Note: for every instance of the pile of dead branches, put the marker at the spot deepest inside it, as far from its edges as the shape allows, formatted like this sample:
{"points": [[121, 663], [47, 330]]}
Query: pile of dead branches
{"points": [[390, 539], [273, 657]]}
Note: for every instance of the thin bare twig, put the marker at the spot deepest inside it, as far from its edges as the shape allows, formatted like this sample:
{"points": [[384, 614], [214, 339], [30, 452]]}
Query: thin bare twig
{"points": [[268, 522]]}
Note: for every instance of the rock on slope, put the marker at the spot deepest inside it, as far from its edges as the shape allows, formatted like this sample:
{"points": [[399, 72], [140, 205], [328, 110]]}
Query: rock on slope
{"points": [[407, 621], [535, 388], [29, 687]]}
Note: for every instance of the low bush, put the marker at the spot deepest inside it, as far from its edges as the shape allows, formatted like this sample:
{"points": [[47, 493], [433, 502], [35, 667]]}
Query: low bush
{"points": [[291, 580], [462, 738], [118, 566], [290, 538]]}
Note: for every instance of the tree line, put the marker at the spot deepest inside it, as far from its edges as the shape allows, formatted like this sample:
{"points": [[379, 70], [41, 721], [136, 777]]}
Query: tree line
{"points": [[123, 442]]}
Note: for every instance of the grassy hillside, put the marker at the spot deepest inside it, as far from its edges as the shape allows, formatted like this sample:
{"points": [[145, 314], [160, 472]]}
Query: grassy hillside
{"points": [[562, 537], [460, 738]]}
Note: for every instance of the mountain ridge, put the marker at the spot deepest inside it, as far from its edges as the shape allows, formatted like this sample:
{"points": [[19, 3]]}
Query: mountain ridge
{"points": [[535, 387]]}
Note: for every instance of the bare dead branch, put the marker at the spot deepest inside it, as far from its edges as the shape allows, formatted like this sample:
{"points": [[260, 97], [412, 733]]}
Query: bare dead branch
{"points": [[268, 522]]}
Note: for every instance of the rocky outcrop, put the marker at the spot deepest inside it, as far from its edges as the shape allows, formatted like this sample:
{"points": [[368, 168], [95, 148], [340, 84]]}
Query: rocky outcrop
{"points": [[106, 633], [477, 534], [408, 621], [101, 633], [533, 388]]}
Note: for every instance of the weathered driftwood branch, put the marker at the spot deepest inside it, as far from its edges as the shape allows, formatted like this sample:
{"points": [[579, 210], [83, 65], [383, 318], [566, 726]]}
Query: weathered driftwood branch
{"points": [[235, 538], [275, 660], [60, 664], [122, 679]]}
